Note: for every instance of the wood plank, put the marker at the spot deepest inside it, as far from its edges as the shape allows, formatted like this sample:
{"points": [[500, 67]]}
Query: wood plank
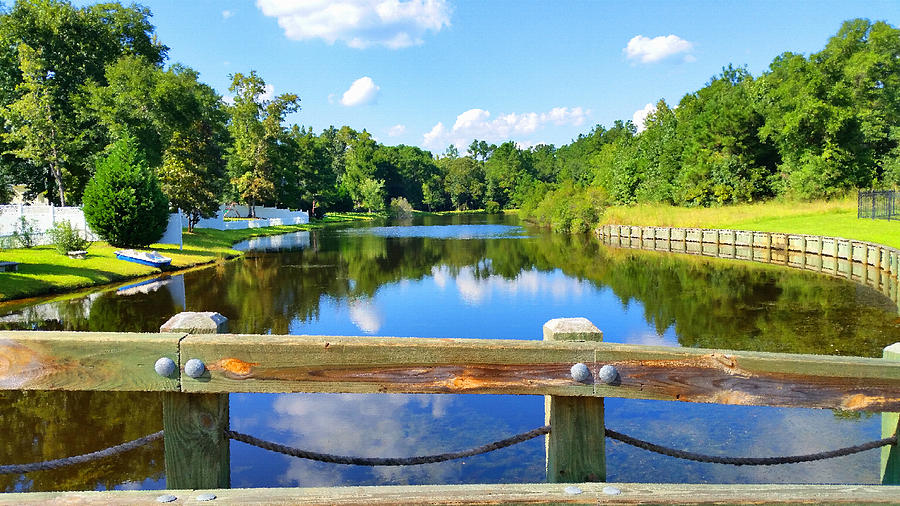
{"points": [[197, 451], [529, 493], [576, 447], [417, 365], [247, 363], [890, 455], [85, 361]]}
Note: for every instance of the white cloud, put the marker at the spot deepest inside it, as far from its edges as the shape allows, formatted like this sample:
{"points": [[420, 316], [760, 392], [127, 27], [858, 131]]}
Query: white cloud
{"points": [[396, 130], [359, 23], [227, 14], [478, 124], [362, 91], [647, 50], [640, 116]]}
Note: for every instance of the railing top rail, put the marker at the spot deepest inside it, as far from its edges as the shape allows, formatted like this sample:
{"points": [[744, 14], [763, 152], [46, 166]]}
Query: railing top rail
{"points": [[265, 363]]}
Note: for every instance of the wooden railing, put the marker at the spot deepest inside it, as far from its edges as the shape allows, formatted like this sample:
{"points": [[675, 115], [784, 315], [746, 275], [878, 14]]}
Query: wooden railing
{"points": [[196, 405]]}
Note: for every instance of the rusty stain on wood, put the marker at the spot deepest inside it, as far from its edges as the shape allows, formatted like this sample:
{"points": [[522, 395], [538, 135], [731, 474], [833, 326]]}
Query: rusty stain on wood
{"points": [[20, 365]]}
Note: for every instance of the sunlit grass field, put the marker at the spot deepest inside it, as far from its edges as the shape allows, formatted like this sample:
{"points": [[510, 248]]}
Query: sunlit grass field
{"points": [[836, 218], [43, 270]]}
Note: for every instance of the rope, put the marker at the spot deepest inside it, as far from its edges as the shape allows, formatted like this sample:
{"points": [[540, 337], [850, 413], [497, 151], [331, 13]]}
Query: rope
{"points": [[80, 459], [443, 457], [386, 461], [749, 461]]}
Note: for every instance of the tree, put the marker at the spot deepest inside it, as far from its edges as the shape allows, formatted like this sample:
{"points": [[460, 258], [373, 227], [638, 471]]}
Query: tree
{"points": [[256, 129], [68, 47], [153, 104], [372, 194], [190, 178], [123, 202], [38, 131], [253, 187]]}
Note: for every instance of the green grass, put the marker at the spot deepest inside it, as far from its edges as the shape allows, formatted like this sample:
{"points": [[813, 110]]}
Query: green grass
{"points": [[43, 271], [835, 218]]}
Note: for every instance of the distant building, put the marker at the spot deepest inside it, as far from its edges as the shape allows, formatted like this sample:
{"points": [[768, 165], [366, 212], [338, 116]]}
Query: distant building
{"points": [[19, 196]]}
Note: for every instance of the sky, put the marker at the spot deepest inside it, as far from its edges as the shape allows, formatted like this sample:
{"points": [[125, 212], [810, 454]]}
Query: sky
{"points": [[430, 73]]}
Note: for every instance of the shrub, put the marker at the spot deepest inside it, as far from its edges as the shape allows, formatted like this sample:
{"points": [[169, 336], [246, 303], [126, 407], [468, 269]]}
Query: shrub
{"points": [[491, 207], [24, 234], [123, 202], [400, 209], [66, 238]]}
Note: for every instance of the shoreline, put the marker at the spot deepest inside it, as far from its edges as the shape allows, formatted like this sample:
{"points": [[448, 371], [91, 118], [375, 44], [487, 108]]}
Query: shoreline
{"points": [[44, 272]]}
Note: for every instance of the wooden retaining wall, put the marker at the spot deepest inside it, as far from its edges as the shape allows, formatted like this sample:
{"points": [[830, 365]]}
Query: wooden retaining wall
{"points": [[868, 263]]}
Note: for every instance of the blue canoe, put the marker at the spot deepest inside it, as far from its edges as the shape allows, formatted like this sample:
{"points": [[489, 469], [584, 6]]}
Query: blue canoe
{"points": [[152, 258]]}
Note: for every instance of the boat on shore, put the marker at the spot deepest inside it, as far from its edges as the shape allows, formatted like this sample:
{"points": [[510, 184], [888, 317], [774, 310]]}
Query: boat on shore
{"points": [[151, 258]]}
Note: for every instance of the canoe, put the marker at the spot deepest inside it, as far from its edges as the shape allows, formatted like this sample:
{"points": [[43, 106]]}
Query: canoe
{"points": [[150, 258]]}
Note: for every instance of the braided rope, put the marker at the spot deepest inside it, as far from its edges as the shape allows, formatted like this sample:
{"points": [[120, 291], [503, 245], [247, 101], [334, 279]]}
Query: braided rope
{"points": [[748, 461], [80, 459], [386, 461]]}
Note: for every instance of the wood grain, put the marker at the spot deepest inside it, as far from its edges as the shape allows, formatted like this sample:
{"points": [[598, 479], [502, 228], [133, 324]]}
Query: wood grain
{"points": [[527, 493], [85, 361], [415, 365]]}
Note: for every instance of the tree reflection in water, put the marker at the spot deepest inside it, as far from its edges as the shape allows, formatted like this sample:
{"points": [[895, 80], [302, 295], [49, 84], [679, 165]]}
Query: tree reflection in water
{"points": [[427, 282]]}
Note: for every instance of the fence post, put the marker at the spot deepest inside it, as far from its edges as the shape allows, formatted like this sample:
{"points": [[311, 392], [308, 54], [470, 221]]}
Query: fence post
{"points": [[196, 449], [890, 455], [576, 445]]}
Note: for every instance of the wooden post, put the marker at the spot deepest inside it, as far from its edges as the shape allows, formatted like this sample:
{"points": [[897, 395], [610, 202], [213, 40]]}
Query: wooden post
{"points": [[196, 449], [890, 455], [576, 445]]}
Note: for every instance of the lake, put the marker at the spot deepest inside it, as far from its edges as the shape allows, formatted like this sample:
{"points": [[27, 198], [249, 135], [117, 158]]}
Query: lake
{"points": [[470, 276]]}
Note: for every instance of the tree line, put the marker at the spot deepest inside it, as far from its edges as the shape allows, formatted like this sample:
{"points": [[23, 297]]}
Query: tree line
{"points": [[74, 80]]}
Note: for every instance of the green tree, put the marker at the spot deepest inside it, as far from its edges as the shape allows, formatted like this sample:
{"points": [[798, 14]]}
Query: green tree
{"points": [[256, 129], [73, 46], [153, 104], [38, 131], [190, 178], [123, 202], [372, 194]]}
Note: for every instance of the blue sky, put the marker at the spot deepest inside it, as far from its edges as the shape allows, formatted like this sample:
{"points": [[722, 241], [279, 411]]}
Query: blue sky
{"points": [[432, 72]]}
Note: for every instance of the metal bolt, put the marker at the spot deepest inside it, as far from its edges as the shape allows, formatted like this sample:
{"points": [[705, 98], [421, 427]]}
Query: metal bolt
{"points": [[611, 491], [165, 367], [608, 374], [166, 498], [572, 490], [580, 372], [194, 368], [205, 497]]}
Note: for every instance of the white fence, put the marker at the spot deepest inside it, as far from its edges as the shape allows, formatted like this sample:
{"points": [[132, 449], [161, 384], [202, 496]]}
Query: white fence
{"points": [[42, 218], [267, 217]]}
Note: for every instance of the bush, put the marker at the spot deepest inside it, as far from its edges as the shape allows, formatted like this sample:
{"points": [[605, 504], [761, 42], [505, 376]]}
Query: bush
{"points": [[123, 202], [491, 207], [400, 209], [65, 238], [569, 210], [24, 234]]}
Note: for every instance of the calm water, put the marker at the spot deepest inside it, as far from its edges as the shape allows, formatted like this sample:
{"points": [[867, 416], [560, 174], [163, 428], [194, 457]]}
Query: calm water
{"points": [[482, 277]]}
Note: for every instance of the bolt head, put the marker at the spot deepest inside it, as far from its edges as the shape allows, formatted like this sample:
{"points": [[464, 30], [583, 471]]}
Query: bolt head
{"points": [[608, 374], [611, 491], [580, 372], [572, 490], [165, 367], [194, 368], [205, 497], [166, 498]]}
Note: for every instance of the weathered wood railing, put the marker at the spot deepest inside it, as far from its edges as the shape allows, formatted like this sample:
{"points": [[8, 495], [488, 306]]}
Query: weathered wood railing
{"points": [[196, 404], [871, 264]]}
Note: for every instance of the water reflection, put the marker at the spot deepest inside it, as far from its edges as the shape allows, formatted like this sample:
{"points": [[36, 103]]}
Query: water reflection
{"points": [[502, 282]]}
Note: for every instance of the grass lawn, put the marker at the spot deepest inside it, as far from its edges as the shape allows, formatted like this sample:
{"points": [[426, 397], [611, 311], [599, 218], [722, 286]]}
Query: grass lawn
{"points": [[42, 270], [834, 218]]}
